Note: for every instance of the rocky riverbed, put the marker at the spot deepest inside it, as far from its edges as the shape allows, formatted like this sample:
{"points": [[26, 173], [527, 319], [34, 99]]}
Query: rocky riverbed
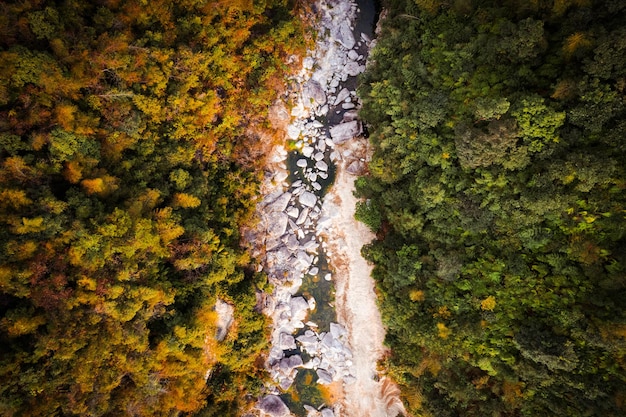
{"points": [[297, 224]]}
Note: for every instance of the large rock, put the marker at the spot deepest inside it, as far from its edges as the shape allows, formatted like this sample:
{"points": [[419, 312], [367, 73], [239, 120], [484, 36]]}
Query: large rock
{"points": [[299, 308], [281, 176], [292, 212], [307, 199], [293, 132], [343, 35], [355, 168], [345, 131], [292, 243], [277, 224], [280, 204], [337, 330], [303, 260], [353, 68], [278, 114], [286, 342], [224, 318], [273, 406], [286, 365], [313, 93]]}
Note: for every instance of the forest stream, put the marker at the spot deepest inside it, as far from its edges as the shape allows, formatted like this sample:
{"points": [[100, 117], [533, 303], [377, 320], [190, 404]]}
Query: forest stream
{"points": [[327, 332]]}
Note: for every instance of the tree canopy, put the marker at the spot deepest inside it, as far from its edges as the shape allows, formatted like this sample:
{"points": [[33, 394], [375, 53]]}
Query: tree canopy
{"points": [[496, 190], [130, 143]]}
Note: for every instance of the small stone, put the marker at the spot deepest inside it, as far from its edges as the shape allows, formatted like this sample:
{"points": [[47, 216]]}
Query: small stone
{"points": [[353, 55], [316, 186], [327, 412], [307, 151], [324, 377], [347, 106], [328, 277], [303, 216], [301, 163], [286, 383], [343, 95], [314, 270], [293, 212], [318, 156], [292, 242], [349, 379]]}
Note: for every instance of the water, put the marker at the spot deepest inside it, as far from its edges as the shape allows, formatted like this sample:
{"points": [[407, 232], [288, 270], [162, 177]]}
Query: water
{"points": [[367, 18], [296, 173]]}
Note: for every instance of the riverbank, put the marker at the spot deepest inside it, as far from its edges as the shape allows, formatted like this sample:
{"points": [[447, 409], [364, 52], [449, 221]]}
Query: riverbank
{"points": [[356, 305]]}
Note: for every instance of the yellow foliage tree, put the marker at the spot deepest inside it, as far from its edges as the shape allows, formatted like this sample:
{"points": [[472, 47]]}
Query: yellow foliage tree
{"points": [[73, 172], [443, 331], [488, 304], [574, 42], [185, 200], [93, 185], [14, 198]]}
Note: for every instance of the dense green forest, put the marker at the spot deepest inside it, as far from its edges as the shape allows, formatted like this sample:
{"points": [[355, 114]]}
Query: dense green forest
{"points": [[131, 141], [498, 193]]}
